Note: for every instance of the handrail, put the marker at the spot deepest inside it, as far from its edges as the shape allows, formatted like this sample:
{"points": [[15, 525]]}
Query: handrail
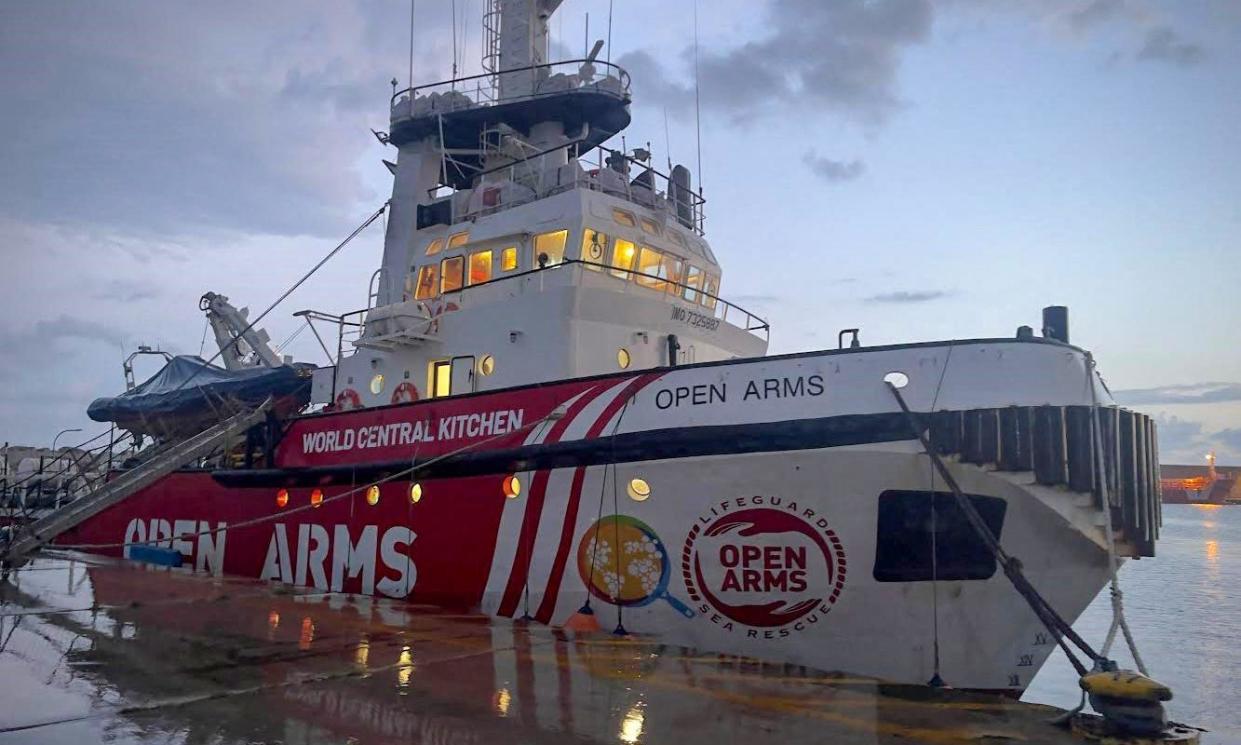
{"points": [[622, 76], [762, 324]]}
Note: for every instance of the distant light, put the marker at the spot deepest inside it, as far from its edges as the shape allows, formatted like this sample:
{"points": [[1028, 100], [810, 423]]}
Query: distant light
{"points": [[405, 667], [372, 495], [502, 701], [631, 726], [282, 498], [316, 498], [415, 493], [512, 486]]}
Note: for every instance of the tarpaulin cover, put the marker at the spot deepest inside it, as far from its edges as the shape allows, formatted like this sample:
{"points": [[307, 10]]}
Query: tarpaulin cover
{"points": [[189, 388]]}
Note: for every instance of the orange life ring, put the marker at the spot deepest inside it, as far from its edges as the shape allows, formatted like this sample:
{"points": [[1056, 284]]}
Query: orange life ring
{"points": [[405, 393], [348, 399]]}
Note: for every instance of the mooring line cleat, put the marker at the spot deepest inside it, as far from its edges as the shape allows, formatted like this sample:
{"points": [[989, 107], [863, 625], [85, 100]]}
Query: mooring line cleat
{"points": [[1129, 702]]}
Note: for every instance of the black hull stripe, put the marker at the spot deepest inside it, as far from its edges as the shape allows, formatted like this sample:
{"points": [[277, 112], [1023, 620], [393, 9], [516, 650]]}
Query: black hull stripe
{"points": [[681, 442]]}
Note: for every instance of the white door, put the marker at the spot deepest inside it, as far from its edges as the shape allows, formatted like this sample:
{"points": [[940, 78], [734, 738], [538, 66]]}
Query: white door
{"points": [[462, 375]]}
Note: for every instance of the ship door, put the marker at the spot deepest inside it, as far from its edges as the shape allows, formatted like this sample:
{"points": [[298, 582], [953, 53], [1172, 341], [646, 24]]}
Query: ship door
{"points": [[462, 375]]}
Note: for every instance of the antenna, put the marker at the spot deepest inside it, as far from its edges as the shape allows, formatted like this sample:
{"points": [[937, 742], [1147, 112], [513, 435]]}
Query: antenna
{"points": [[411, 44], [610, 32], [586, 37], [667, 141], [454, 39], [697, 104]]}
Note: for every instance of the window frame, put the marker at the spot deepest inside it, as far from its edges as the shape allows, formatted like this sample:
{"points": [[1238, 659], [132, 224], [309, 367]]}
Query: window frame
{"points": [[457, 240], [434, 378], [549, 234], [594, 264], [432, 269], [617, 270], [460, 272], [692, 288], [505, 254], [490, 264], [434, 246], [649, 279], [624, 217]]}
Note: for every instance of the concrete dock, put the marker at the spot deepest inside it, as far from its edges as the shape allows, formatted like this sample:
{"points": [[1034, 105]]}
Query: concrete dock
{"points": [[95, 650]]}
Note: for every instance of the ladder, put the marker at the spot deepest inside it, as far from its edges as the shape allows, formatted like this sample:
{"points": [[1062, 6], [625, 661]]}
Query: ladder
{"points": [[51, 526]]}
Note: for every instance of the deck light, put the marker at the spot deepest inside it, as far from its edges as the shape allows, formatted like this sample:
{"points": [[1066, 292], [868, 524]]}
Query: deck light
{"points": [[282, 497], [622, 358], [372, 495], [512, 486], [316, 498], [639, 490], [415, 493]]}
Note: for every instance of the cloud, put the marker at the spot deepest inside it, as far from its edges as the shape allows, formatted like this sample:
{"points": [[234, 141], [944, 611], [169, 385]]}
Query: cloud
{"points": [[841, 56], [757, 299], [1192, 393], [1162, 44], [1177, 435], [909, 296], [1095, 14], [833, 170], [125, 291]]}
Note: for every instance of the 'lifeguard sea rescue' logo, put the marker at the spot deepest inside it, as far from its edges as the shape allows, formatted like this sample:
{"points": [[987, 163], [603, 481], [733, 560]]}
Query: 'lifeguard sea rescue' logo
{"points": [[763, 564]]}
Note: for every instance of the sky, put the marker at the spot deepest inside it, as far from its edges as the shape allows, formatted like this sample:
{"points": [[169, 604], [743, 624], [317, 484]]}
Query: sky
{"points": [[919, 169]]}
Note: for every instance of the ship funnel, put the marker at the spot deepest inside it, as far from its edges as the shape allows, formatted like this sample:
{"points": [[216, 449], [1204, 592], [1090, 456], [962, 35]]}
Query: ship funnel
{"points": [[1056, 323], [682, 196]]}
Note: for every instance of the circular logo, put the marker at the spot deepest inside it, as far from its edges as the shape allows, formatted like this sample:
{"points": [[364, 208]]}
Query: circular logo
{"points": [[764, 562]]}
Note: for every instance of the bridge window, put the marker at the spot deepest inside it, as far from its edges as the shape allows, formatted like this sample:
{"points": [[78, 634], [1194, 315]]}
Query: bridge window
{"points": [[428, 282], [480, 267], [670, 269], [649, 226], [457, 240], [905, 537], [650, 262], [451, 274], [552, 244], [440, 383], [693, 283], [623, 254], [676, 238], [624, 218], [594, 248], [508, 259], [711, 290], [435, 246]]}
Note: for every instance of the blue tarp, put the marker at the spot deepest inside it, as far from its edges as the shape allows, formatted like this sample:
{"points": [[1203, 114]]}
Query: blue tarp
{"points": [[188, 390]]}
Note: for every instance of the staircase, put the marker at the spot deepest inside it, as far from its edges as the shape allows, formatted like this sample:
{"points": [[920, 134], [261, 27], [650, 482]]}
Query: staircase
{"points": [[49, 527]]}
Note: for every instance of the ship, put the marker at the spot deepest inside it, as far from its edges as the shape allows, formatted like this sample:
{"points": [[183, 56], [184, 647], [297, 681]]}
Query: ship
{"points": [[549, 412]]}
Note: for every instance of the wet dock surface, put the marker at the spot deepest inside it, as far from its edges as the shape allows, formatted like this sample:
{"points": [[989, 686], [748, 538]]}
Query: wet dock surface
{"points": [[95, 650]]}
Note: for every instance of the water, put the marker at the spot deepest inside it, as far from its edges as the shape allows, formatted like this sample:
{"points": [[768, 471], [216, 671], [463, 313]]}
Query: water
{"points": [[1184, 607]]}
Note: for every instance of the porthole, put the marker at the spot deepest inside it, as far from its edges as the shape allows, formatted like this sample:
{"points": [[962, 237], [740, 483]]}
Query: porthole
{"points": [[415, 493], [486, 365], [316, 498], [639, 490], [372, 495], [622, 358], [282, 498], [897, 379], [377, 384], [512, 486]]}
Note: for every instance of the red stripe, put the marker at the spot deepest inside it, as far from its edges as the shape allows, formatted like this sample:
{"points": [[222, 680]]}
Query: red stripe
{"points": [[548, 606], [534, 511]]}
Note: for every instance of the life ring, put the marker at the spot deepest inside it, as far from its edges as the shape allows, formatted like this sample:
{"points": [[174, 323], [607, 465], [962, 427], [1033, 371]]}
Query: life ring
{"points": [[348, 399], [405, 393]]}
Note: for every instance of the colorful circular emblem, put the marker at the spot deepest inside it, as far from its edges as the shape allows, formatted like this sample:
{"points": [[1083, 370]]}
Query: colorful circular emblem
{"points": [[768, 564]]}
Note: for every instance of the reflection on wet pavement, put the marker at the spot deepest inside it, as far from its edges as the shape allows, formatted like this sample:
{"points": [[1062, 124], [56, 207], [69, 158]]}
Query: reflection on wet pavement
{"points": [[96, 650]]}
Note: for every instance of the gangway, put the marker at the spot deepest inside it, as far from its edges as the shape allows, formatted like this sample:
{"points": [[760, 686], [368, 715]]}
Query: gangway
{"points": [[49, 527]]}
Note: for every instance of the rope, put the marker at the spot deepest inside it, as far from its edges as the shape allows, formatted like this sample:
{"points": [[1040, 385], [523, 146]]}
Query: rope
{"points": [[1118, 602], [936, 680], [283, 513], [1046, 614]]}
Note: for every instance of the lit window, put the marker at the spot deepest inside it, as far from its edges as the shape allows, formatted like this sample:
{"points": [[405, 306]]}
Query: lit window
{"points": [[372, 495], [377, 384], [649, 263], [623, 217], [552, 245], [670, 269], [487, 365], [441, 378], [480, 267], [623, 254], [639, 490], [508, 259], [457, 240], [594, 248], [649, 226], [451, 274], [435, 246], [415, 492], [428, 282], [693, 283], [512, 486], [711, 291], [622, 358]]}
